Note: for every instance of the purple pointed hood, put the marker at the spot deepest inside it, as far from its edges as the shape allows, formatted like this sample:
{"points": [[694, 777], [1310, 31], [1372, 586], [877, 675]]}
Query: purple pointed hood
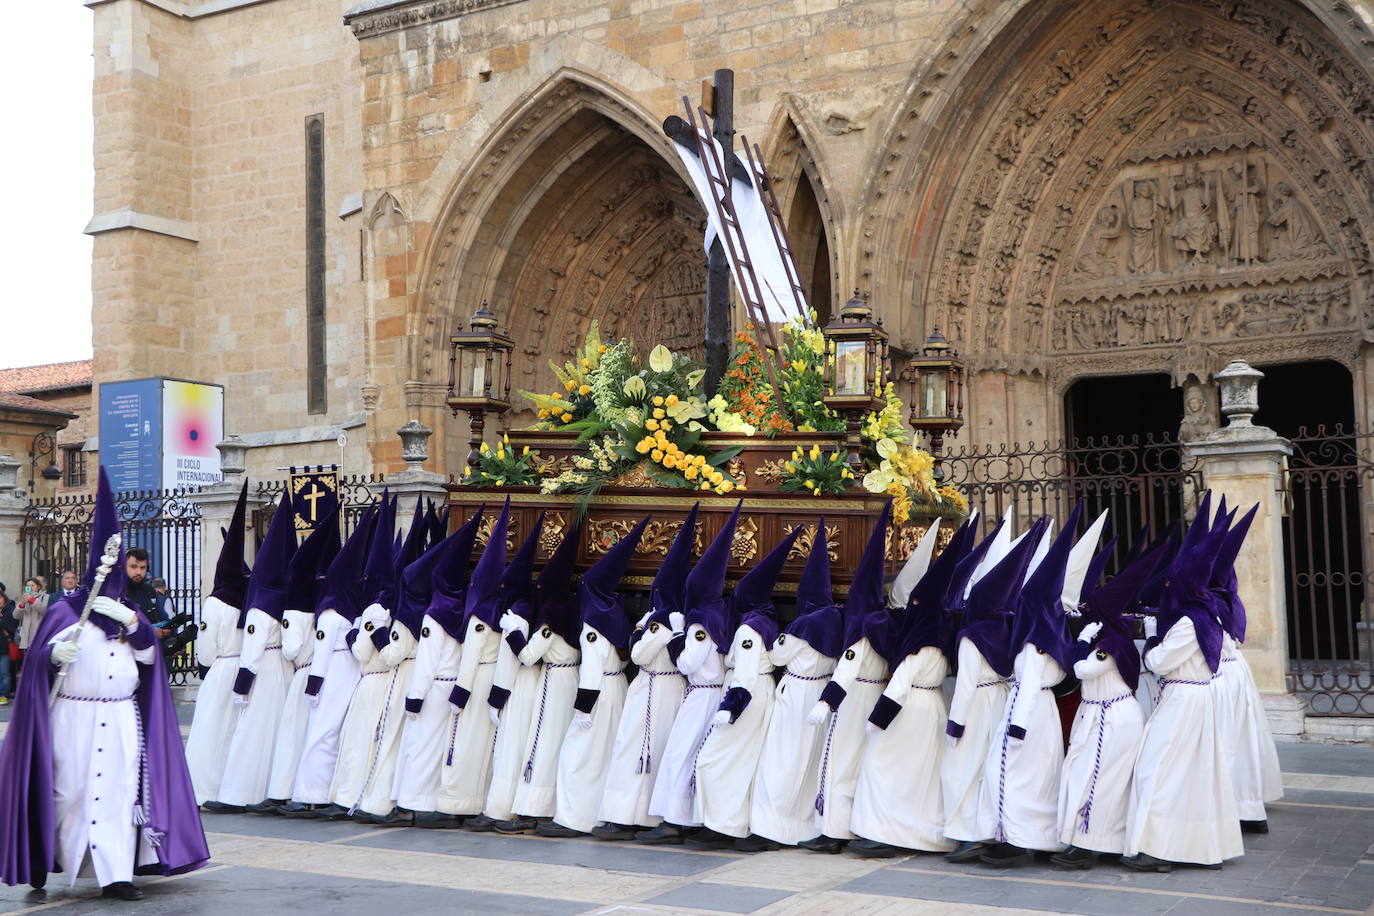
{"points": [[705, 601], [517, 581], [819, 620], [305, 572], [667, 594], [1225, 586], [343, 580], [267, 584], [1107, 605], [1039, 619], [553, 594], [1170, 539], [483, 598], [926, 621], [752, 601], [602, 605], [1092, 579], [1183, 592], [865, 607], [416, 589], [416, 540], [438, 524], [955, 602], [379, 572], [104, 523], [449, 581], [988, 611], [231, 585]]}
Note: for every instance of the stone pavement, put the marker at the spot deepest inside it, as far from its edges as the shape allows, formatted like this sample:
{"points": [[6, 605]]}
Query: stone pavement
{"points": [[1318, 858]]}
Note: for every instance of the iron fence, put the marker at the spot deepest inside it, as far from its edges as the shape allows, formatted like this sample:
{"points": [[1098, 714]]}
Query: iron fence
{"points": [[355, 494]]}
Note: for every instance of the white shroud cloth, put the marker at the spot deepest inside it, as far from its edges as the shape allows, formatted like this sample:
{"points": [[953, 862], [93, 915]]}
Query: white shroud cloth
{"points": [[95, 752], [980, 696], [212, 722], [674, 796], [248, 765], [426, 733], [535, 790], [339, 671], [586, 753], [651, 704], [520, 676], [783, 807], [1255, 770], [862, 672], [898, 799], [730, 756], [465, 773], [1095, 786], [297, 648], [1183, 806]]}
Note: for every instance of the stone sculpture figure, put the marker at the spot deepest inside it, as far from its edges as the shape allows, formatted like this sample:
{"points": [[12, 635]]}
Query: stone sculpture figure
{"points": [[1194, 230], [1245, 219], [1141, 217], [1295, 231]]}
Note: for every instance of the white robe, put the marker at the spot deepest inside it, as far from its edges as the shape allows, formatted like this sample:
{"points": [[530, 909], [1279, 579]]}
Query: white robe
{"points": [[862, 673], [651, 704], [95, 751], [783, 806], [730, 756], [1183, 806], [674, 796], [212, 722], [1018, 802], [1255, 770], [898, 799], [370, 735], [297, 648], [536, 788], [465, 774], [980, 696], [426, 733], [521, 675], [320, 751], [1103, 743], [586, 752], [248, 764]]}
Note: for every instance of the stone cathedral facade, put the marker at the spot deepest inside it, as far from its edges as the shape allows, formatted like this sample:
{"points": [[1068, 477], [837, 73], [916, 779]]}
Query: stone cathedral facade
{"points": [[301, 199]]}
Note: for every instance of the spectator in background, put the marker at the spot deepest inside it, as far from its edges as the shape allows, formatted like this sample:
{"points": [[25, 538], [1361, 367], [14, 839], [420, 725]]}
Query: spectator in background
{"points": [[9, 626], [68, 584], [164, 608], [31, 607], [139, 591]]}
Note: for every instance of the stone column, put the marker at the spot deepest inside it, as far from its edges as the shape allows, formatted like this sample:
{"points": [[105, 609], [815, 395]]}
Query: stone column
{"points": [[14, 502], [1244, 463], [217, 502], [414, 481]]}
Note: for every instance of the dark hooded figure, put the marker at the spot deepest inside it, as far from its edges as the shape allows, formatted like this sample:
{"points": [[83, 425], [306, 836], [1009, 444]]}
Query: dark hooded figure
{"points": [[95, 781], [1183, 803]]}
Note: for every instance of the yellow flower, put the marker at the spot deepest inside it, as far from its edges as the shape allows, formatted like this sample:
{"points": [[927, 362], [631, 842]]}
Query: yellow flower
{"points": [[570, 384], [811, 483], [791, 467], [670, 400], [651, 424], [484, 448], [689, 472], [586, 363], [558, 395], [814, 453], [665, 425], [656, 454], [642, 446], [567, 418], [658, 411], [670, 461], [500, 453], [658, 402], [705, 485], [584, 389], [524, 451], [727, 486], [698, 460], [602, 349], [816, 491], [847, 474], [543, 413], [467, 471]]}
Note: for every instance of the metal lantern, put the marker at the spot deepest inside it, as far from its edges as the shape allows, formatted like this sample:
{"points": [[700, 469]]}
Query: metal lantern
{"points": [[479, 373], [856, 371], [937, 399]]}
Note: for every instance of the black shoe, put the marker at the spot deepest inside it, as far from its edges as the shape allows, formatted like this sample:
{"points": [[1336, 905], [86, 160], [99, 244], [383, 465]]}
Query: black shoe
{"points": [[332, 813], [433, 820], [121, 890], [214, 807], [397, 818], [706, 838], [39, 880], [966, 851], [665, 834], [1005, 855], [555, 829], [868, 849], [615, 832], [1143, 862], [517, 825], [1254, 826], [822, 844], [755, 843], [479, 824], [270, 806], [1075, 858], [297, 809]]}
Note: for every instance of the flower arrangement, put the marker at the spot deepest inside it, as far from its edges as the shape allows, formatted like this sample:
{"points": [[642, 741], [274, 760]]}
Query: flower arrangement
{"points": [[502, 466], [907, 474], [744, 401], [817, 472]]}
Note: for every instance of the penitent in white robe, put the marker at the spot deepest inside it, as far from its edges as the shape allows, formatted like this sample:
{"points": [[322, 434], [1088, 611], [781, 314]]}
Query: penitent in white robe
{"points": [[674, 796], [1183, 806], [730, 756], [536, 788], [297, 648], [248, 765], [1018, 802], [1255, 770], [862, 673], [465, 775], [379, 789], [586, 753], [363, 738], [521, 675], [335, 664], [980, 696], [898, 799], [212, 723], [1095, 786], [783, 807], [95, 749], [425, 736], [651, 704]]}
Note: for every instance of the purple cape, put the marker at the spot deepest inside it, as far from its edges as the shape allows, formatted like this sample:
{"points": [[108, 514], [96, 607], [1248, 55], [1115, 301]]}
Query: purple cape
{"points": [[28, 822]]}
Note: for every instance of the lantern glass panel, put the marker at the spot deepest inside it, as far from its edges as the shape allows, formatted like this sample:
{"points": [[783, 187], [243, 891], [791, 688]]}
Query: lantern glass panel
{"points": [[850, 367], [472, 368], [934, 394]]}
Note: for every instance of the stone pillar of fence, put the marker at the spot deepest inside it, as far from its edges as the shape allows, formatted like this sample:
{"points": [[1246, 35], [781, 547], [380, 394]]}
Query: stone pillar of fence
{"points": [[217, 502], [14, 501], [1244, 463], [414, 482]]}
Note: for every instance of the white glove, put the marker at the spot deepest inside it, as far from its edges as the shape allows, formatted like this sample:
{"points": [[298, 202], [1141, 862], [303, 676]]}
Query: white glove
{"points": [[119, 613], [817, 714], [65, 652], [677, 621], [1151, 626], [722, 717], [494, 714], [871, 728], [950, 741], [1090, 631], [582, 720], [314, 701], [240, 699], [412, 716], [511, 622]]}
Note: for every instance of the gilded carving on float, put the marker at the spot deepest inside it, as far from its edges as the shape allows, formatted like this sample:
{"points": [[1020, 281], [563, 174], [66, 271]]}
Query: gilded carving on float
{"points": [[770, 471], [746, 543], [552, 534], [484, 532], [604, 534], [801, 547]]}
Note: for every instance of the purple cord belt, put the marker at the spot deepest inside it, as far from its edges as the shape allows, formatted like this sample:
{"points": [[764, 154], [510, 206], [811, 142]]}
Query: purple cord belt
{"points": [[646, 760], [1086, 811]]}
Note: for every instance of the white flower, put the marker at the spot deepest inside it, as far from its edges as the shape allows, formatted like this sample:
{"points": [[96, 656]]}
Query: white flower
{"points": [[878, 480], [694, 378], [886, 448], [634, 386], [660, 359]]}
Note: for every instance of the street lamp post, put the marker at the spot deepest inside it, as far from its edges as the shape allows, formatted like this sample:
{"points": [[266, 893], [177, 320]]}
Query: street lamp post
{"points": [[937, 397], [479, 373], [856, 370], [43, 446]]}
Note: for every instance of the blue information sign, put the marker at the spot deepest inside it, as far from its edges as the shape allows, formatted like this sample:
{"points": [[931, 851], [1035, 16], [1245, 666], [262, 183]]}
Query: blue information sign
{"points": [[131, 433]]}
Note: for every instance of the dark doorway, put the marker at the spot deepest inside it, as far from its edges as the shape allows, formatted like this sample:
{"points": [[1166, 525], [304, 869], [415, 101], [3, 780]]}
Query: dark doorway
{"points": [[1125, 406], [1306, 396]]}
